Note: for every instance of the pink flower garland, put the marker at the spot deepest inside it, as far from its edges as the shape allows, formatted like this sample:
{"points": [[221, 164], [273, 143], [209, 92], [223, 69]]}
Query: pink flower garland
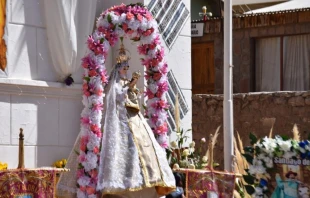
{"points": [[135, 22]]}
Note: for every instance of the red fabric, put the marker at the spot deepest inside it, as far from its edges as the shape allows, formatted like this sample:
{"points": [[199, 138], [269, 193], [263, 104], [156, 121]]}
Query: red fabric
{"points": [[29, 183]]}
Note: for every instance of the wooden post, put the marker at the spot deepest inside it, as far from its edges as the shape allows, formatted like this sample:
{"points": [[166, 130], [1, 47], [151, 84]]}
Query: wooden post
{"points": [[21, 163]]}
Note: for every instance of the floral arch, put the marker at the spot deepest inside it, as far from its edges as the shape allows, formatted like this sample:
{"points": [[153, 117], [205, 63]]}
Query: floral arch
{"points": [[136, 23]]}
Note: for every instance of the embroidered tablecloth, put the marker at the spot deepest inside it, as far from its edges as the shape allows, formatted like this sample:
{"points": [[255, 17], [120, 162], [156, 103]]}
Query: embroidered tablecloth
{"points": [[28, 183]]}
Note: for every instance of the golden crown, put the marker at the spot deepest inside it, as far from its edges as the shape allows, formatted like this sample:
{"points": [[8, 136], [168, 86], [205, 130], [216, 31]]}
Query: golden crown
{"points": [[122, 57], [136, 74]]}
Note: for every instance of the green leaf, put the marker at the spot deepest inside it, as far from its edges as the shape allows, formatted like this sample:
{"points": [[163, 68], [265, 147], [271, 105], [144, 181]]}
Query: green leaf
{"points": [[101, 40], [249, 179], [249, 149], [285, 137], [253, 138], [248, 157], [87, 79], [250, 189], [109, 18]]}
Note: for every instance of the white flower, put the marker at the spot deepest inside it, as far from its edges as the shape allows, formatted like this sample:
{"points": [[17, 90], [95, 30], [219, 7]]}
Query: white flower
{"points": [[90, 162], [284, 145], [269, 145], [173, 144], [93, 141], [134, 24], [102, 22], [122, 18], [258, 192], [120, 32], [81, 194], [115, 18], [83, 181], [289, 154], [148, 39], [144, 24], [153, 88], [162, 138], [203, 140], [205, 159], [257, 167], [192, 144], [95, 117], [302, 150], [185, 152]]}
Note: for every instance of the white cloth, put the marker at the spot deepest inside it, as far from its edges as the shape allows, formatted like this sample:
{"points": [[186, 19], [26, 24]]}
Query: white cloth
{"points": [[296, 64], [68, 23], [268, 64]]}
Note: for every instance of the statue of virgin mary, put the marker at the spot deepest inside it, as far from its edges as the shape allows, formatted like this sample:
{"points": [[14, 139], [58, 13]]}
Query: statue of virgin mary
{"points": [[132, 163]]}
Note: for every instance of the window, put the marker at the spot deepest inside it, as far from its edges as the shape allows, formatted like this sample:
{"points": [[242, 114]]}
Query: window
{"points": [[282, 63]]}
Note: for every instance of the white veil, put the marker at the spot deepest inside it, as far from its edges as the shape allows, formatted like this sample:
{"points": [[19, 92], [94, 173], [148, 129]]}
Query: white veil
{"points": [[119, 159]]}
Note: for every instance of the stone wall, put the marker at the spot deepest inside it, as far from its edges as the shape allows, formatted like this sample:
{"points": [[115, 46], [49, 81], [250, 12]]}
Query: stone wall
{"points": [[245, 31], [253, 112]]}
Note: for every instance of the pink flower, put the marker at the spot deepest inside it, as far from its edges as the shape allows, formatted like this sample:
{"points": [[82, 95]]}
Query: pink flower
{"points": [[129, 16], [82, 157], [92, 73], [85, 120], [154, 62], [90, 42], [163, 87], [148, 32], [164, 145], [96, 150], [125, 26], [97, 107], [154, 118], [94, 128], [162, 129], [148, 16], [87, 93], [157, 76], [83, 188], [152, 46], [93, 173], [98, 134], [83, 143], [149, 94], [80, 173], [164, 69], [90, 190], [85, 86], [142, 49], [139, 17], [160, 104], [99, 92], [130, 31]]}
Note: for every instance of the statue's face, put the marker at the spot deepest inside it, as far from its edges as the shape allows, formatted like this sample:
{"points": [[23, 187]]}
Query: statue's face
{"points": [[123, 70]]}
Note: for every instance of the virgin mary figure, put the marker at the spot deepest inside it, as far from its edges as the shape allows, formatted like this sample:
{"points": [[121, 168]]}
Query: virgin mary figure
{"points": [[132, 163]]}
